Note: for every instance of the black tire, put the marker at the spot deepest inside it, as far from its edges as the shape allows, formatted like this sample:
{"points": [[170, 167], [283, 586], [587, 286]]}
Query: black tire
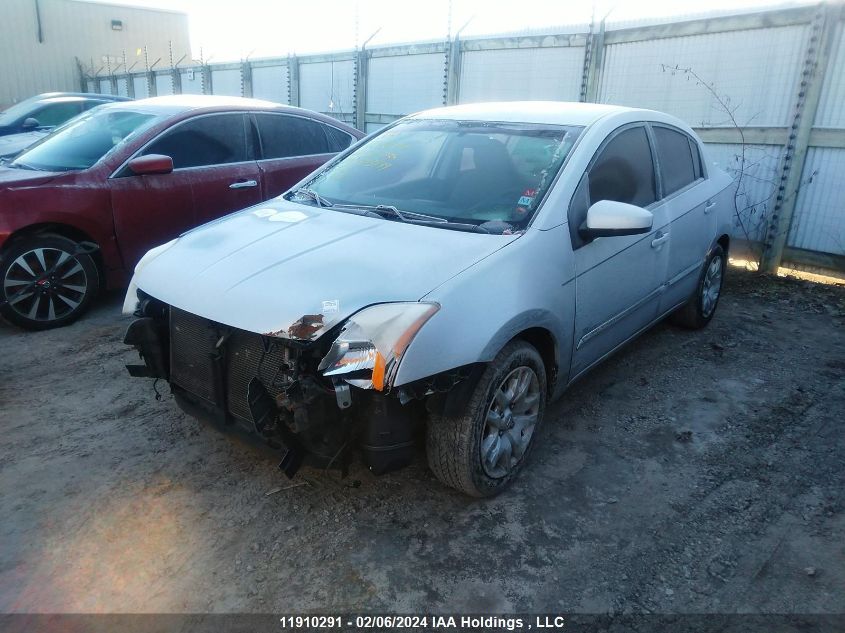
{"points": [[46, 281], [454, 444], [697, 312]]}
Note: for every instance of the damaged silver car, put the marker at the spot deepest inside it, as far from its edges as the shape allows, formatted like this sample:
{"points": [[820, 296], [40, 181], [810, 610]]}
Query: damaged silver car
{"points": [[449, 275]]}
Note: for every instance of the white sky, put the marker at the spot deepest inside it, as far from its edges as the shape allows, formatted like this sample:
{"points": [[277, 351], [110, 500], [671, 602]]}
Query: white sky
{"points": [[228, 30]]}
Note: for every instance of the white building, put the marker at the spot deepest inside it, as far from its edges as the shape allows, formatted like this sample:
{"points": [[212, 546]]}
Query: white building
{"points": [[44, 42]]}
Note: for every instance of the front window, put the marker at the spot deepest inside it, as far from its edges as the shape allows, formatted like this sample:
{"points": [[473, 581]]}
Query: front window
{"points": [[85, 140], [217, 139], [469, 172]]}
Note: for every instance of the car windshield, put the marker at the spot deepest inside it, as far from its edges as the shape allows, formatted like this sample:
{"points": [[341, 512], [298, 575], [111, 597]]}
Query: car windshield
{"points": [[84, 140], [469, 172]]}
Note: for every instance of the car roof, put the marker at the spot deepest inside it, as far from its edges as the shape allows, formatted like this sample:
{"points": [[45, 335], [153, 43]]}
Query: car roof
{"points": [[550, 112], [76, 96], [178, 104]]}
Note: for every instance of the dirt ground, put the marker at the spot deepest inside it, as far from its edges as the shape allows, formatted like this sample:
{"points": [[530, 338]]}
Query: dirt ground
{"points": [[692, 473]]}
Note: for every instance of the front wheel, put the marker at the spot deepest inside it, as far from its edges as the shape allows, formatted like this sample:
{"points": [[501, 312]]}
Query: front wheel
{"points": [[701, 307], [47, 281], [482, 450]]}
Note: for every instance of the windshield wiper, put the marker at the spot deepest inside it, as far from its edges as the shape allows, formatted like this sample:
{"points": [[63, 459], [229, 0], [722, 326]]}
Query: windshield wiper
{"points": [[356, 211], [404, 216], [316, 197], [409, 215], [453, 226], [21, 165]]}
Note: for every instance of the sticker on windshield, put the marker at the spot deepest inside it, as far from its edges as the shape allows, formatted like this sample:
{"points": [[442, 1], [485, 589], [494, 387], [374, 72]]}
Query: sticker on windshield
{"points": [[527, 197], [331, 305], [525, 200]]}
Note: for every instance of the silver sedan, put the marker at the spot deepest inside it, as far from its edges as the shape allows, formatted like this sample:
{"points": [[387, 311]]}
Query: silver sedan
{"points": [[450, 274]]}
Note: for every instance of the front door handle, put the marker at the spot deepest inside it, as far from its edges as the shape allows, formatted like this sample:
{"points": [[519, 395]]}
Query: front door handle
{"points": [[243, 184], [709, 206], [657, 241]]}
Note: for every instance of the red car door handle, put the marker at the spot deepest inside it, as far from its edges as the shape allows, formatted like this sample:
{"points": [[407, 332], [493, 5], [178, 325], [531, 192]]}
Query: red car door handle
{"points": [[243, 184]]}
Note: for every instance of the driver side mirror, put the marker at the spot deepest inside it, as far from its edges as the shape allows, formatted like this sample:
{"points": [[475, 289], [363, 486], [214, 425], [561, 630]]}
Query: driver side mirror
{"points": [[150, 164], [608, 218], [30, 123]]}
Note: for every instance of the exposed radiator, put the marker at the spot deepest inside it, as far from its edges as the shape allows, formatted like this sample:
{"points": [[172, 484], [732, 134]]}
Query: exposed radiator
{"points": [[245, 352], [192, 341], [192, 348]]}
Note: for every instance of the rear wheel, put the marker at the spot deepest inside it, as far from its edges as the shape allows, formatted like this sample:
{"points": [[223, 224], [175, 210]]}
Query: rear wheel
{"points": [[482, 450], [46, 281], [702, 305]]}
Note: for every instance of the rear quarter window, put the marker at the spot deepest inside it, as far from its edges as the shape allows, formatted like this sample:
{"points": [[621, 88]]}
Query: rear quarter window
{"points": [[674, 153], [284, 136]]}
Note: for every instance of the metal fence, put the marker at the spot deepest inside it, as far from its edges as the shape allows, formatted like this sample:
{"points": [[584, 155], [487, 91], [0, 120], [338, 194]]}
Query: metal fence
{"points": [[765, 91]]}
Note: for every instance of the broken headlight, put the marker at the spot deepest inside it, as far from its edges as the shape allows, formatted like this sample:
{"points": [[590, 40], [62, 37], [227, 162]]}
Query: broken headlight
{"points": [[367, 352]]}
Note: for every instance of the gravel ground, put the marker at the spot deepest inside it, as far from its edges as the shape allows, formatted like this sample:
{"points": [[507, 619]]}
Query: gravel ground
{"points": [[692, 473]]}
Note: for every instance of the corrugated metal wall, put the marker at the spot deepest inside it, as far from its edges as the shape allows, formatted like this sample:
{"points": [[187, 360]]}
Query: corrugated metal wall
{"points": [[819, 221], [142, 90], [831, 112], [226, 81], [756, 71], [191, 80], [751, 65], [271, 83], [522, 74], [327, 86], [164, 85], [403, 84], [78, 30]]}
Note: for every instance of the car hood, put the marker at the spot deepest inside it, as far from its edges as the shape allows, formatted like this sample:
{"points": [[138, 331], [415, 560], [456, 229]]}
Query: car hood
{"points": [[14, 143], [294, 271]]}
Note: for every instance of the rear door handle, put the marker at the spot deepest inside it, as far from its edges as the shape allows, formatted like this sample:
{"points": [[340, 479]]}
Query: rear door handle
{"points": [[657, 241], [243, 184], [709, 206]]}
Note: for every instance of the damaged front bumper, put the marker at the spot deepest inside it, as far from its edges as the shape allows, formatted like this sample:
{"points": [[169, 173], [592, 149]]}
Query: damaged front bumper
{"points": [[282, 391]]}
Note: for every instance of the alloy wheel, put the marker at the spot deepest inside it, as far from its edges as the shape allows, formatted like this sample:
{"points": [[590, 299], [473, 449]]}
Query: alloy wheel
{"points": [[510, 422], [45, 284], [711, 287]]}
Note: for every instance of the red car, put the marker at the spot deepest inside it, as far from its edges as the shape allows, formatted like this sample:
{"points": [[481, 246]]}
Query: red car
{"points": [[80, 208]]}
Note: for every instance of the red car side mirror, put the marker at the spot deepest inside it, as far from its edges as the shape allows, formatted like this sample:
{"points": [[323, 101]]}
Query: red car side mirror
{"points": [[151, 164]]}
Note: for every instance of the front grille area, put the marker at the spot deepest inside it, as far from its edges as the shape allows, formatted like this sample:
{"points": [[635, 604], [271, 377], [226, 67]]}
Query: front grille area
{"points": [[193, 343], [249, 358]]}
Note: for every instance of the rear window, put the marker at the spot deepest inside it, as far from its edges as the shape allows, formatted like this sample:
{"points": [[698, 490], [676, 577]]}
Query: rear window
{"points": [[284, 136], [674, 153]]}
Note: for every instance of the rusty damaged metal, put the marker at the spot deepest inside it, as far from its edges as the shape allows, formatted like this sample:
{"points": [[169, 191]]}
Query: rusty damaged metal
{"points": [[306, 326]]}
